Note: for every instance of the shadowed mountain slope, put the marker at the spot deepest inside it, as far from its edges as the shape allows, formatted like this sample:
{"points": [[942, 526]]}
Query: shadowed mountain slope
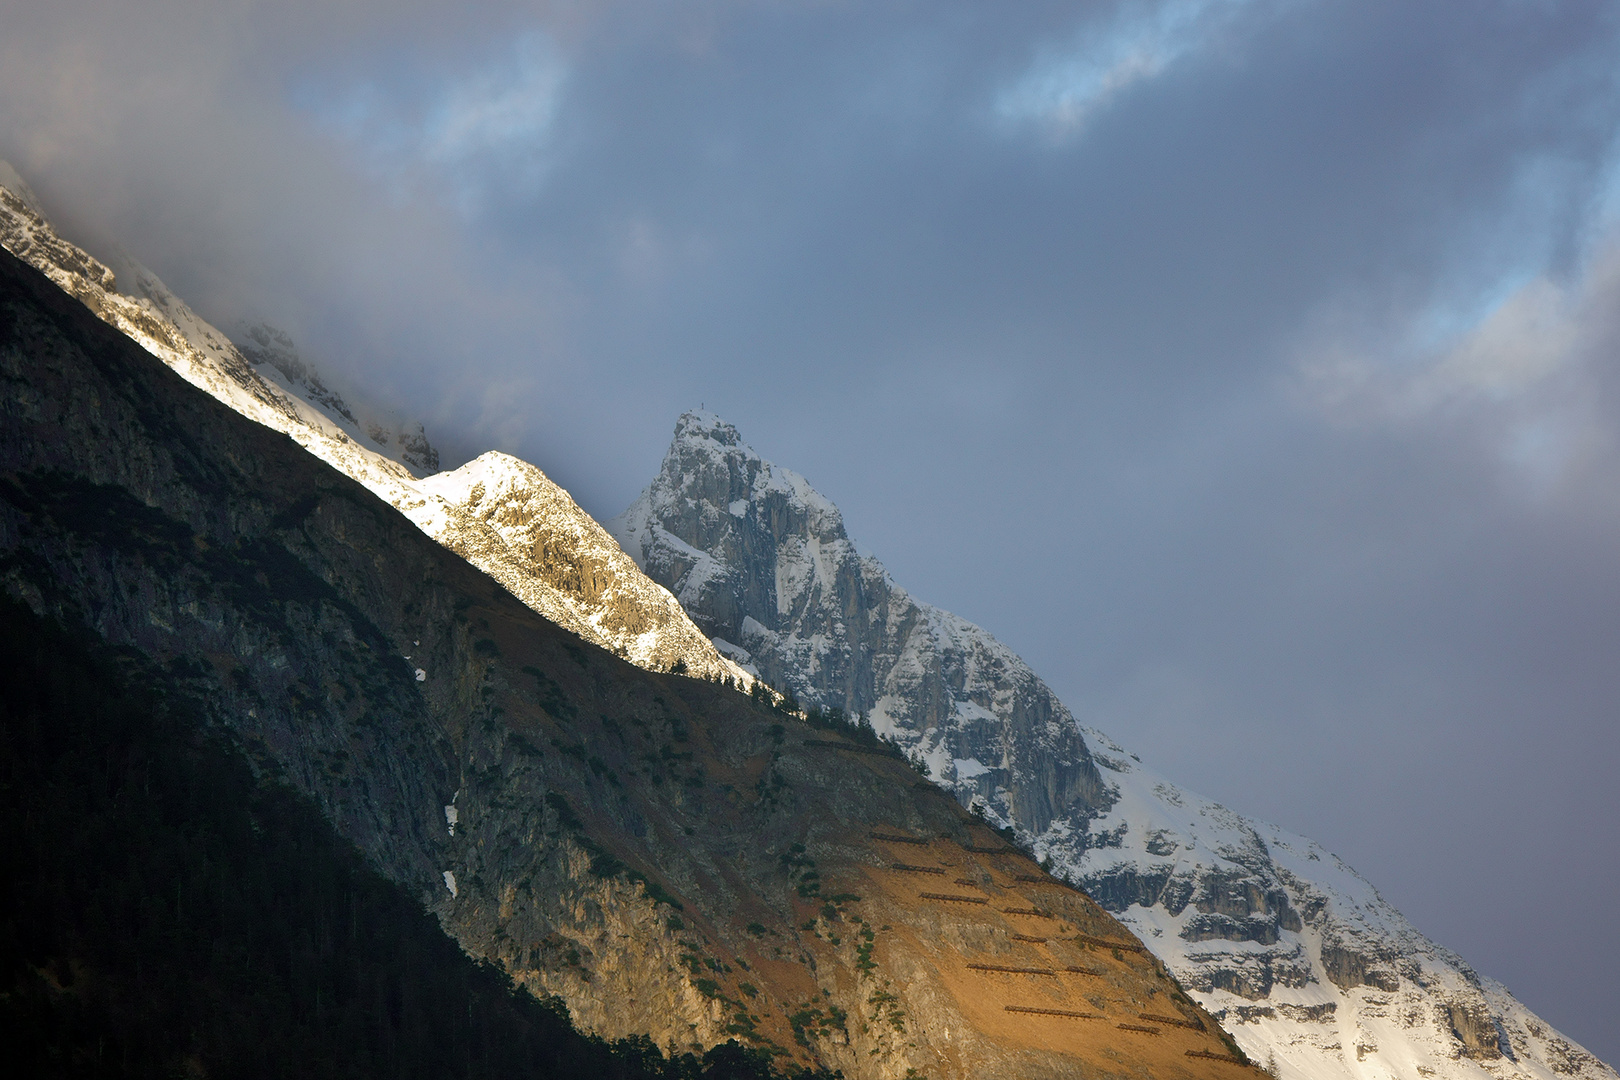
{"points": [[167, 913]]}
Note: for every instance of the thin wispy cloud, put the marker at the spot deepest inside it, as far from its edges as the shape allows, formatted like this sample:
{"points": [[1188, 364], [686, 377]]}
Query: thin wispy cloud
{"points": [[1066, 86], [505, 110], [491, 124], [1529, 372]]}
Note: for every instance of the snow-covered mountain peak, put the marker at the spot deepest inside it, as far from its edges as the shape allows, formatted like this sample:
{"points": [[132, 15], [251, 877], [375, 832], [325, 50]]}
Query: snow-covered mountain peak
{"points": [[709, 455], [493, 467], [699, 424], [1308, 967], [762, 562], [502, 515], [508, 518]]}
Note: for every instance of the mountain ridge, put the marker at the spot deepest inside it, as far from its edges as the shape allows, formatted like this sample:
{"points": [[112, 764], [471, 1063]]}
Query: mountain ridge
{"points": [[272, 385], [668, 856]]}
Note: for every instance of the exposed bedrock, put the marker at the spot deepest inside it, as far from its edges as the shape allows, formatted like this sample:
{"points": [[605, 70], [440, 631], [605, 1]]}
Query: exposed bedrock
{"points": [[761, 560]]}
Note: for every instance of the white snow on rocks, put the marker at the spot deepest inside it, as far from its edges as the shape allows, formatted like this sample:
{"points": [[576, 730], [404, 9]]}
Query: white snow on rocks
{"points": [[1295, 953], [784, 582], [507, 518], [272, 352]]}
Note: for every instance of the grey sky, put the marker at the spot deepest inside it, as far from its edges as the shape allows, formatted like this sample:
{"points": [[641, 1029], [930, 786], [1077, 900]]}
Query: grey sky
{"points": [[1248, 365]]}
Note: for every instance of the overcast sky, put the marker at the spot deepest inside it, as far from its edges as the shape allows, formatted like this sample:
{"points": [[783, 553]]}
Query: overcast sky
{"points": [[1250, 366]]}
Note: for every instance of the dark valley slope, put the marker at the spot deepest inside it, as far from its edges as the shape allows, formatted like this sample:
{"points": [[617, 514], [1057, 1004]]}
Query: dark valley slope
{"points": [[666, 855], [168, 913]]}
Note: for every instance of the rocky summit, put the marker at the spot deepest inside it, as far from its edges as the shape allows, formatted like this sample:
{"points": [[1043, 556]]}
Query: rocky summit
{"points": [[762, 563], [1308, 968]]}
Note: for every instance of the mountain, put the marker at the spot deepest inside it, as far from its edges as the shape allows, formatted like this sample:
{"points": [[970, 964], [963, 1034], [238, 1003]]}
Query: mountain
{"points": [[1299, 957], [561, 563], [671, 858], [763, 565]]}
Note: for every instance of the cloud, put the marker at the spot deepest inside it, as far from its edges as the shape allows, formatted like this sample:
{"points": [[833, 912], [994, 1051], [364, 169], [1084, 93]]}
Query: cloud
{"points": [[1530, 336], [1532, 375], [1065, 87], [505, 109], [486, 126]]}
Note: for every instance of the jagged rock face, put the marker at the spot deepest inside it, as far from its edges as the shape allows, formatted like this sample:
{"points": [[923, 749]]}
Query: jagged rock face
{"points": [[762, 563], [1296, 954], [670, 856], [1302, 960], [627, 614]]}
